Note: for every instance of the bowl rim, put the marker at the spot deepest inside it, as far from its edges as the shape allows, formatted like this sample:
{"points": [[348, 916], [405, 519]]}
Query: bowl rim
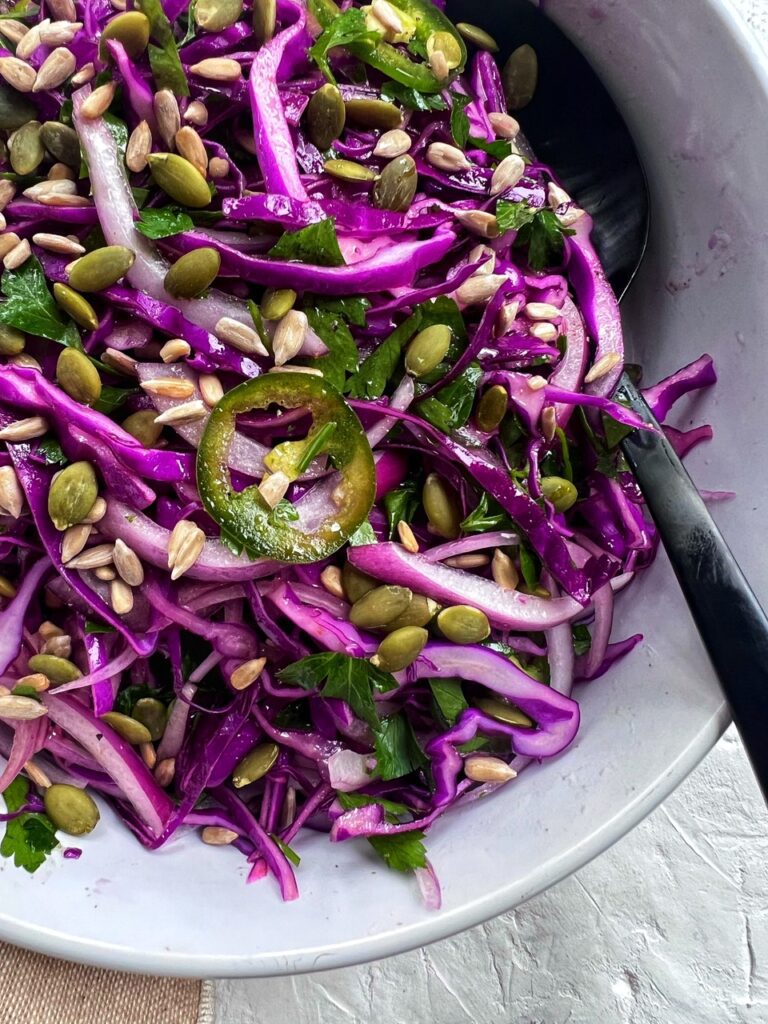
{"points": [[447, 923]]}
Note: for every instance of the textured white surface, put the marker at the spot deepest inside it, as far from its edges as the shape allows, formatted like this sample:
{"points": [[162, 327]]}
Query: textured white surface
{"points": [[671, 925]]}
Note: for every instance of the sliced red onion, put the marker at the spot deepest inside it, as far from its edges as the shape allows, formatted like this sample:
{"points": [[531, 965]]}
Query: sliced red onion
{"points": [[569, 372], [13, 617], [348, 771], [113, 668], [28, 738], [429, 887], [401, 398], [475, 542]]}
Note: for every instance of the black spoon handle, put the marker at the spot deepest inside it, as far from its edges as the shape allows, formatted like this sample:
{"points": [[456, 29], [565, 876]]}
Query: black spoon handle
{"points": [[733, 626]]}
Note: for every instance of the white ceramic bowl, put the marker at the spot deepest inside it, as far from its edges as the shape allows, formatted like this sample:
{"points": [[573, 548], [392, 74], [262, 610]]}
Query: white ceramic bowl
{"points": [[692, 84]]}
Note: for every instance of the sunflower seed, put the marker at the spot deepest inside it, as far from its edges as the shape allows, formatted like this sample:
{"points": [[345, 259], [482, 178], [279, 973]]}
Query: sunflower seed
{"points": [[541, 311], [55, 69], [544, 331], [218, 167], [25, 430], [120, 597], [388, 16], [504, 125], [240, 336], [478, 221], [96, 512], [64, 187], [393, 143], [74, 540], [105, 573], [8, 241], [18, 255], [60, 172], [188, 412], [85, 74], [59, 646], [99, 101], [168, 116], [148, 755], [602, 367], [120, 361], [289, 336], [481, 768], [165, 771], [174, 350], [49, 629], [21, 708], [217, 835], [504, 571], [572, 214], [536, 383], [507, 174], [93, 558], [35, 681], [128, 564], [549, 422], [483, 252], [330, 578], [556, 196], [439, 65], [62, 199], [13, 30], [59, 33], [273, 487], [37, 776], [31, 40], [7, 192], [11, 494], [247, 673], [479, 288], [471, 560], [446, 157], [185, 545], [407, 537], [218, 69], [191, 147], [196, 113], [211, 390], [139, 147], [24, 359], [169, 387]]}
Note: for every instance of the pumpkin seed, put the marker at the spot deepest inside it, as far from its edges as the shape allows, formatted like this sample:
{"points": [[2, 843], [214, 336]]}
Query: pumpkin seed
{"points": [[264, 19], [127, 728], [193, 273], [72, 494], [15, 110], [179, 179], [441, 507], [58, 670], [142, 426], [76, 306], [463, 624], [152, 714], [448, 45], [374, 114], [78, 377], [420, 612], [504, 712], [348, 170], [478, 36], [255, 765], [12, 342], [131, 29], [396, 186], [356, 583], [26, 150], [70, 809], [379, 606], [401, 648], [215, 15], [559, 491], [62, 142], [326, 115], [100, 268], [276, 302], [492, 408], [428, 349], [519, 77]]}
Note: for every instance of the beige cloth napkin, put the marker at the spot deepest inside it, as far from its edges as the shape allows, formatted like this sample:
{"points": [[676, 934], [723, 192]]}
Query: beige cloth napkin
{"points": [[36, 989]]}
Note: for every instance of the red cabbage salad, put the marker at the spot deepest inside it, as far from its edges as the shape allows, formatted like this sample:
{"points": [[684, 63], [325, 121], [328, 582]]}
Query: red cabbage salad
{"points": [[312, 506]]}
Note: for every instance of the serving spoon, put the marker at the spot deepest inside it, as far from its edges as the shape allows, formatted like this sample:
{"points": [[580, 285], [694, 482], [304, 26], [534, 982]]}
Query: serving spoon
{"points": [[573, 125]]}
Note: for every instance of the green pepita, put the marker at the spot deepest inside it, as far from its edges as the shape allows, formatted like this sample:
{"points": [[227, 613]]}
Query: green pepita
{"points": [[264, 20], [448, 45], [27, 151], [62, 142], [152, 714], [463, 624], [348, 170], [519, 77], [374, 114], [58, 670], [326, 115], [255, 765], [501, 711], [396, 185], [559, 491], [142, 426], [193, 273], [100, 268], [492, 408], [127, 728], [76, 306], [419, 612], [70, 809], [78, 377], [12, 342], [441, 507], [179, 179], [478, 36], [7, 589], [276, 302], [131, 29], [72, 494], [15, 109], [428, 349], [356, 583], [401, 648], [380, 606], [215, 15]]}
